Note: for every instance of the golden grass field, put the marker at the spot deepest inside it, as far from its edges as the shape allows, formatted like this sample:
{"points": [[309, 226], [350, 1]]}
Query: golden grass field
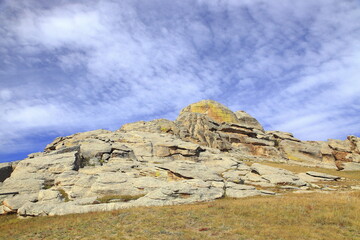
{"points": [[321, 215], [329, 216]]}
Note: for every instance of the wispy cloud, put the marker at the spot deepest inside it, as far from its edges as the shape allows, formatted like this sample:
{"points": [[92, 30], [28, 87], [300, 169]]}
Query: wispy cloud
{"points": [[69, 67]]}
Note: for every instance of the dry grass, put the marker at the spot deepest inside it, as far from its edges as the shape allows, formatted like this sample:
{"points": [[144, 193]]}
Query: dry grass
{"points": [[118, 198], [298, 169], [332, 216]]}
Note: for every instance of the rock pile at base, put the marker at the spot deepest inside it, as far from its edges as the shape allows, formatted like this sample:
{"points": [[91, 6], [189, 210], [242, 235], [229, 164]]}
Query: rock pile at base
{"points": [[200, 156]]}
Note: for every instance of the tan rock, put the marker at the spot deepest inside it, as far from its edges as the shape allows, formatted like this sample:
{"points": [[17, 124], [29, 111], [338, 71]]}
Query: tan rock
{"points": [[155, 126], [13, 203], [301, 151], [199, 128], [73, 140], [355, 141], [339, 145], [282, 135], [240, 191]]}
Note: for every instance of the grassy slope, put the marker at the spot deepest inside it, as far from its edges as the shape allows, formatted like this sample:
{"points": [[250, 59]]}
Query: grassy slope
{"points": [[292, 216]]}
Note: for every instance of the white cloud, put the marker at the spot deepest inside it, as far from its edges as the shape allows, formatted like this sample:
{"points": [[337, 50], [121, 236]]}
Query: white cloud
{"points": [[5, 95]]}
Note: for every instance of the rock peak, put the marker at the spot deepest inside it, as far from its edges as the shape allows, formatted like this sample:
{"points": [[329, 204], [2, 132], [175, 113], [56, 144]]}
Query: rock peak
{"points": [[214, 110]]}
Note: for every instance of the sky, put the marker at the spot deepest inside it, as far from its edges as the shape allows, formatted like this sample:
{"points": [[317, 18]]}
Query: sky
{"points": [[74, 66]]}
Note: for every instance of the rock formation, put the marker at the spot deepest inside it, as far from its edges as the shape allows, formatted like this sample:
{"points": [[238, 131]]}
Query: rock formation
{"points": [[208, 152]]}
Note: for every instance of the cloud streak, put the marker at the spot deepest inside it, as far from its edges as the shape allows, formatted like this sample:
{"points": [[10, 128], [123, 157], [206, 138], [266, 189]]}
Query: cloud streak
{"points": [[69, 67]]}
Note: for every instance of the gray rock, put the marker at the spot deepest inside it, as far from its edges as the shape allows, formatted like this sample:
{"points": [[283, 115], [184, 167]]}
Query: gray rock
{"points": [[186, 191], [284, 179], [234, 176], [49, 163], [240, 191], [322, 175], [13, 203], [351, 166], [52, 195], [264, 170], [190, 170], [5, 171], [248, 121], [282, 135], [266, 192]]}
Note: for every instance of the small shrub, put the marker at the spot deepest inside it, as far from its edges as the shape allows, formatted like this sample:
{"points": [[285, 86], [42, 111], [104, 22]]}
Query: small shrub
{"points": [[165, 129], [48, 183], [64, 195]]}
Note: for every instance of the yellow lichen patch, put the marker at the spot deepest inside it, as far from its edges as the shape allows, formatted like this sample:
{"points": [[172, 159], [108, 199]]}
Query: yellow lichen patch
{"points": [[292, 157], [212, 109]]}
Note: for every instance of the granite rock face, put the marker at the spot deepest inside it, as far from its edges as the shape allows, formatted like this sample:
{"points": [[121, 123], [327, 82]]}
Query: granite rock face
{"points": [[200, 156]]}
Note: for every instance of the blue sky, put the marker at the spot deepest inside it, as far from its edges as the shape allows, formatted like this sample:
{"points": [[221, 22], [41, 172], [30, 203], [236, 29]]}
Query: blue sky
{"points": [[72, 66]]}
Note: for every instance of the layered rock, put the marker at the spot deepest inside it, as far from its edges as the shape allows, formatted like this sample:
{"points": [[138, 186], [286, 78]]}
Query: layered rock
{"points": [[198, 157]]}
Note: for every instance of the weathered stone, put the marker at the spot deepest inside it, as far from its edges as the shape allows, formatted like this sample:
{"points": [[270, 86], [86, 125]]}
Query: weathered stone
{"points": [[253, 177], [277, 175], [37, 154], [22, 184], [234, 176], [13, 203], [266, 192], [355, 142], [248, 121], [240, 190], [327, 153], [266, 170], [199, 128], [282, 136], [301, 151], [322, 175], [351, 166], [74, 140], [308, 178], [155, 126], [185, 191], [49, 163], [257, 153], [284, 179], [52, 195], [339, 145], [190, 170]]}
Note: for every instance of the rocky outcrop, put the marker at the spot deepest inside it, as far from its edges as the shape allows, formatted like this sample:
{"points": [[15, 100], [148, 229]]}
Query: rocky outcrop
{"points": [[200, 156]]}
